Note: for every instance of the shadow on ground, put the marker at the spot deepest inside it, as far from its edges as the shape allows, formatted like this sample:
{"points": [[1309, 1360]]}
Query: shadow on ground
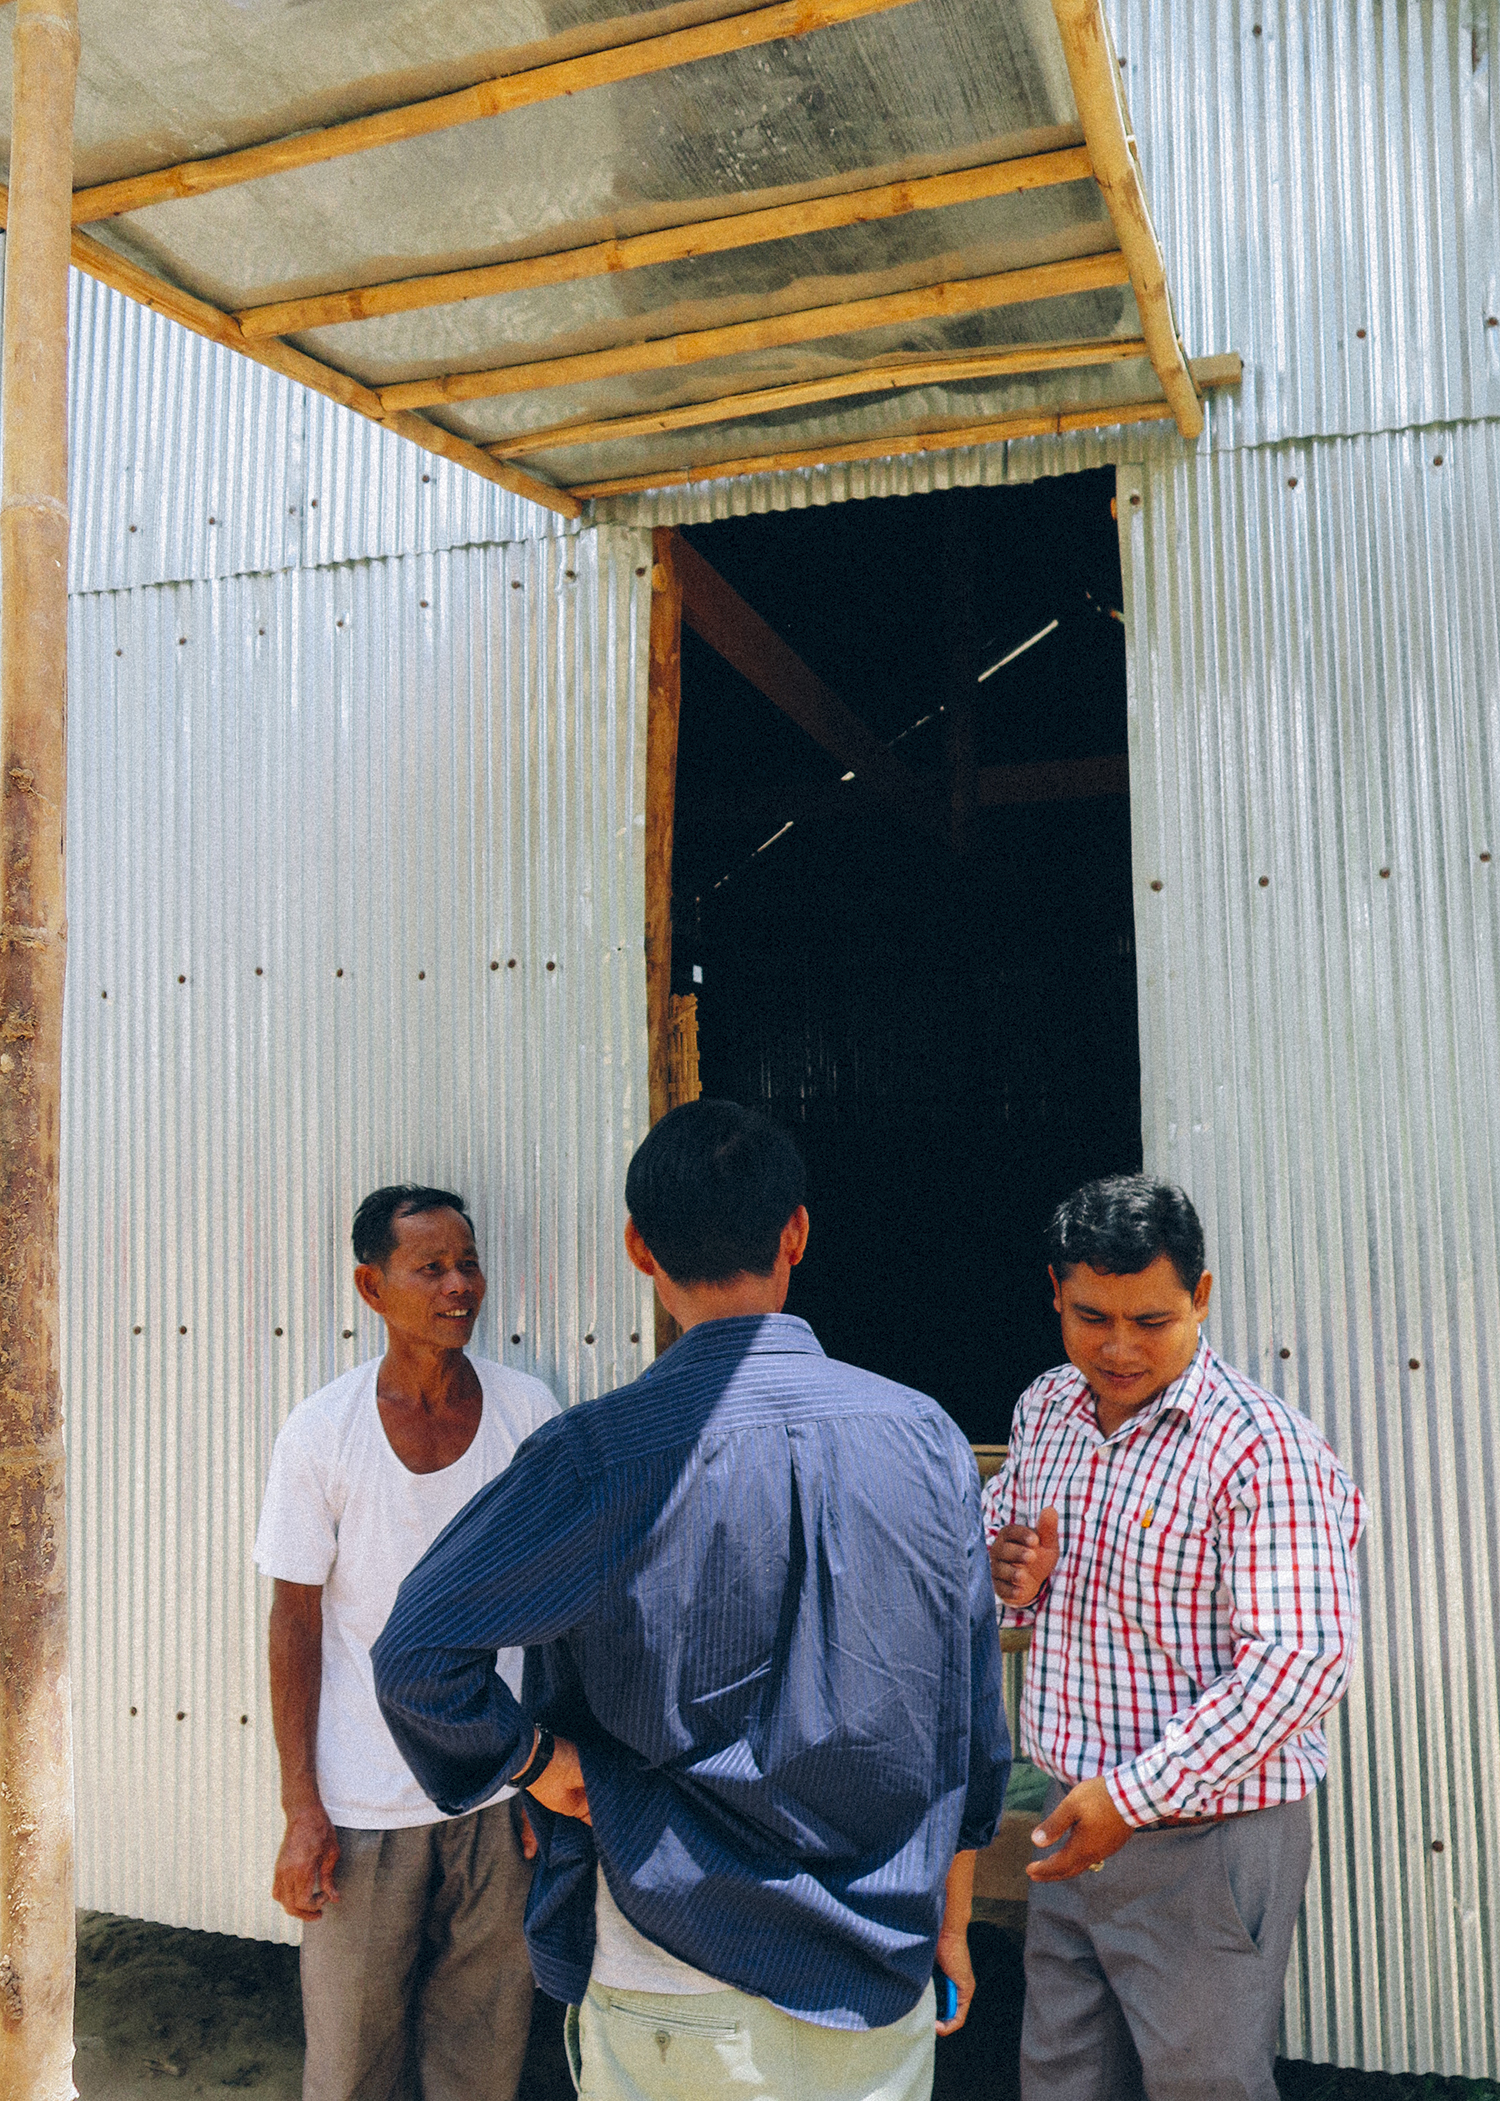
{"points": [[164, 2011]]}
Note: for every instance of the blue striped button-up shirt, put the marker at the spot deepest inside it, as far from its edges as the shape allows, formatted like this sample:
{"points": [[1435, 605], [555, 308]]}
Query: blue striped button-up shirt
{"points": [[753, 1587]]}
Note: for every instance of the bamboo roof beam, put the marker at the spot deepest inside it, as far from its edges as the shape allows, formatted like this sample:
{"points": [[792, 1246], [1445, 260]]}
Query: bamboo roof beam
{"points": [[1089, 273], [714, 236], [932, 437], [102, 263], [1095, 74], [842, 386], [633, 59]]}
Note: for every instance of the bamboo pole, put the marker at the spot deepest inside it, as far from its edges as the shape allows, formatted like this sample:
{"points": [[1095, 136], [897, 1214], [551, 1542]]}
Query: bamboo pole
{"points": [[1222, 371], [969, 295], [632, 60], [1095, 74], [36, 1759], [839, 386], [663, 713], [715, 236]]}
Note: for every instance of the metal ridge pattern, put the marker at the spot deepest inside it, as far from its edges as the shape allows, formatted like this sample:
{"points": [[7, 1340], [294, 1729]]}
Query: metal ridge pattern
{"points": [[1315, 759], [357, 894]]}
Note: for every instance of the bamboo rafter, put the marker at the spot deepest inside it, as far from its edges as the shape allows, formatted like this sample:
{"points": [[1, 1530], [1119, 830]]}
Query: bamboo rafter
{"points": [[523, 86], [713, 236], [102, 263], [872, 379], [932, 437], [1095, 74], [1089, 273]]}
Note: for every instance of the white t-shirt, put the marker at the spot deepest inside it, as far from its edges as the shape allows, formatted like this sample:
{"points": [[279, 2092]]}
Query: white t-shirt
{"points": [[625, 1960], [342, 1511]]}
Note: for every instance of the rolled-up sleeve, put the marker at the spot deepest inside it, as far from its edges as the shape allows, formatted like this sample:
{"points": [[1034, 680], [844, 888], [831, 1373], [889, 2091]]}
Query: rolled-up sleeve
{"points": [[517, 1566], [1289, 1521]]}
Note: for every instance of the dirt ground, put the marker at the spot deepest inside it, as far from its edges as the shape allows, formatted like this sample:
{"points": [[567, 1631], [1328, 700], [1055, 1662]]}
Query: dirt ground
{"points": [[162, 2011]]}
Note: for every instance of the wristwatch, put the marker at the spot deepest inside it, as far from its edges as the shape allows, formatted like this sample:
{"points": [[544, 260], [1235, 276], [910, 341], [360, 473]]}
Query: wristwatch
{"points": [[538, 1762]]}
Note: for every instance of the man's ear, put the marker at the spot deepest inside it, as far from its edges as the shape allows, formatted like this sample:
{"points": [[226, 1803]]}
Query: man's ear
{"points": [[367, 1282], [1202, 1294], [1056, 1289], [794, 1235], [640, 1255]]}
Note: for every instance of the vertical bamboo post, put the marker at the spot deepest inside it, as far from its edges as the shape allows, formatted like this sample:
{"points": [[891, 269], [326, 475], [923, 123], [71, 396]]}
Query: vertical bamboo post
{"points": [[663, 712], [36, 1769]]}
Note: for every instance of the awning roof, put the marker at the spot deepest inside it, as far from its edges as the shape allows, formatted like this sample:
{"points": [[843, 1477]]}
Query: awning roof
{"points": [[581, 249]]}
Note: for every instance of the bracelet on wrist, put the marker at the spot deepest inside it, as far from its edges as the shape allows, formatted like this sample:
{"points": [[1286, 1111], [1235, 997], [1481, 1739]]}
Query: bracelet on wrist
{"points": [[537, 1763]]}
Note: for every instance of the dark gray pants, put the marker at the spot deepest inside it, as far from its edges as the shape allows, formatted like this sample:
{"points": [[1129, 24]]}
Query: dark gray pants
{"points": [[416, 1985], [1163, 1974]]}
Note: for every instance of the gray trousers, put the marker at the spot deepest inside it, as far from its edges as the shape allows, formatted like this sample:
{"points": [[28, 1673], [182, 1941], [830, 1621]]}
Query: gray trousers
{"points": [[1163, 1974], [416, 1985]]}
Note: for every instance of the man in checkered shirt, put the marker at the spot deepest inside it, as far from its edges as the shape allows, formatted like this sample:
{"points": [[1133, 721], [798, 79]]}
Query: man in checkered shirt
{"points": [[1182, 1544]]}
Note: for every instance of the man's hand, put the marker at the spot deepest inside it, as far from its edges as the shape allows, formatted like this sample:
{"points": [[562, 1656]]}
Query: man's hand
{"points": [[1094, 1829], [529, 1847], [1021, 1560], [952, 1955], [953, 1961], [560, 1787], [303, 1881]]}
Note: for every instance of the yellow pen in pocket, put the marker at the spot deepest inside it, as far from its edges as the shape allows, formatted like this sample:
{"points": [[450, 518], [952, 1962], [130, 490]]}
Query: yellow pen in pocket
{"points": [[1146, 1520]]}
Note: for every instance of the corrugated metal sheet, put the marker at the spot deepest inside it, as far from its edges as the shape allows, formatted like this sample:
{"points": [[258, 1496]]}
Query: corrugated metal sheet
{"points": [[190, 462], [1315, 765], [356, 866], [1318, 170]]}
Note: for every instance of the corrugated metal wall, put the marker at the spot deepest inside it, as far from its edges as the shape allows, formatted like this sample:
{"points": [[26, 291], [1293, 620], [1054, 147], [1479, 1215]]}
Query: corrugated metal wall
{"points": [[356, 885], [1315, 766], [1315, 699], [1313, 621]]}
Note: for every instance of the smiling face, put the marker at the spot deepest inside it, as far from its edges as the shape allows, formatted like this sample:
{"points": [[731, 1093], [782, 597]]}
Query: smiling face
{"points": [[430, 1287], [1130, 1336]]}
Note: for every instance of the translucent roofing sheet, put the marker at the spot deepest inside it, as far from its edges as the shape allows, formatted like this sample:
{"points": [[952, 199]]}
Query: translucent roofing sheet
{"points": [[909, 90]]}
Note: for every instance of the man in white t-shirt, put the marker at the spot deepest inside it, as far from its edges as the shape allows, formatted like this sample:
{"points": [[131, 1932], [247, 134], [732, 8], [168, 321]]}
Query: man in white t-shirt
{"points": [[415, 1976]]}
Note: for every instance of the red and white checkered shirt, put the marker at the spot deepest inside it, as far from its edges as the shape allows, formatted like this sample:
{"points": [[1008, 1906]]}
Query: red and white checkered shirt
{"points": [[1203, 1615]]}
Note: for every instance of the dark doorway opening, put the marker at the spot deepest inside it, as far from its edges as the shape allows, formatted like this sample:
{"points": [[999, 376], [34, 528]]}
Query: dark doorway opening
{"points": [[932, 986]]}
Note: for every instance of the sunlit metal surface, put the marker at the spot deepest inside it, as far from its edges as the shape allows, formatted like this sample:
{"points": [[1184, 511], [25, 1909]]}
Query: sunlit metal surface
{"points": [[356, 861], [1315, 764], [189, 462]]}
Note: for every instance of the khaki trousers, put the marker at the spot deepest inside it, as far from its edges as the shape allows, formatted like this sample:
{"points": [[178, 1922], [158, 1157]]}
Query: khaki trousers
{"points": [[416, 1985], [690, 2046]]}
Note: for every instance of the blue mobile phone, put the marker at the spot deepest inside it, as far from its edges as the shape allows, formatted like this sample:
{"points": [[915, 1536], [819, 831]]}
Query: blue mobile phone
{"points": [[947, 1995]]}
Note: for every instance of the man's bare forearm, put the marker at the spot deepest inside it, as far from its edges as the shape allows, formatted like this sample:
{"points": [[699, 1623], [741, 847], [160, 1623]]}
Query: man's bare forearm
{"points": [[958, 1894], [296, 1684]]}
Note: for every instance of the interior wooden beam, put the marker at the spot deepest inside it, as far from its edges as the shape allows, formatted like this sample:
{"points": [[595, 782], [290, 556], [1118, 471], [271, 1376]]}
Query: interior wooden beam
{"points": [[839, 386], [1055, 780], [632, 59], [713, 236], [930, 437], [970, 295], [1095, 74], [715, 611], [99, 262]]}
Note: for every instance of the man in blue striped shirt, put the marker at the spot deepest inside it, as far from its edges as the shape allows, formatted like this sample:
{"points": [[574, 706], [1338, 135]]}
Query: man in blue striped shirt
{"points": [[762, 1687]]}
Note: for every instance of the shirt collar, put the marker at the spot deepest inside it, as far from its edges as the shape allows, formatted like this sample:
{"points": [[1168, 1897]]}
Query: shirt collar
{"points": [[745, 1335], [1181, 1396]]}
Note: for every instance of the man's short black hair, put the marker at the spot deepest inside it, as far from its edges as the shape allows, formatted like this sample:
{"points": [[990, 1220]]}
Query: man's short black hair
{"points": [[374, 1233], [1121, 1224], [710, 1190]]}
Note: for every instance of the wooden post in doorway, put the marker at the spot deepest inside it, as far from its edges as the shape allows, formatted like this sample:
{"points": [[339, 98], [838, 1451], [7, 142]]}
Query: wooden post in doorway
{"points": [[663, 712], [36, 1765]]}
